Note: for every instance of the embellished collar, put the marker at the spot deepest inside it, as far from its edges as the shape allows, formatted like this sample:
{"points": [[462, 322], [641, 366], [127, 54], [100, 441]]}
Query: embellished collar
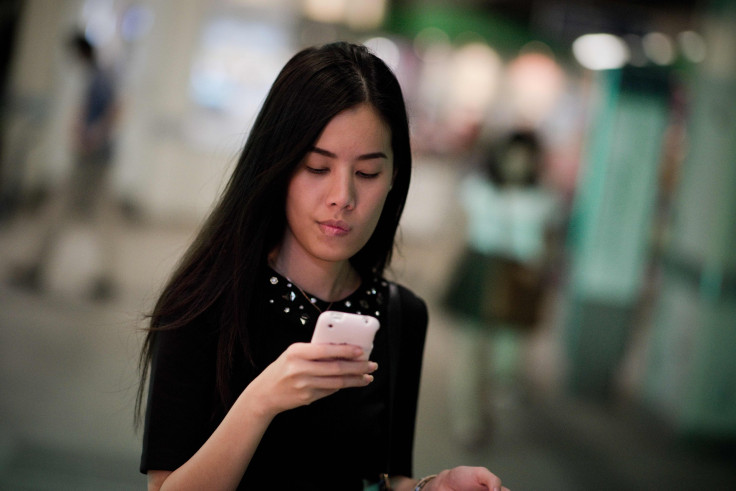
{"points": [[303, 308]]}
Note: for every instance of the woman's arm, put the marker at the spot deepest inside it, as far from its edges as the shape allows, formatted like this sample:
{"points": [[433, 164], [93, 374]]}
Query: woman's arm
{"points": [[222, 460], [303, 374]]}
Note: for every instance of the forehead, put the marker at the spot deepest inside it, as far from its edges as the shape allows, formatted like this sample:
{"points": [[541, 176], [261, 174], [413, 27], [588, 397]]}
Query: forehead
{"points": [[360, 125]]}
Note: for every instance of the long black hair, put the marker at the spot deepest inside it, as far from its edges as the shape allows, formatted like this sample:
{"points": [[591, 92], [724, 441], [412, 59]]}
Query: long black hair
{"points": [[230, 252]]}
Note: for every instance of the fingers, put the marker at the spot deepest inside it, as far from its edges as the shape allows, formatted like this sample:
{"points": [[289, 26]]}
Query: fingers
{"points": [[340, 374], [325, 351], [329, 360], [306, 372], [490, 479], [464, 477], [328, 367], [342, 367], [341, 381]]}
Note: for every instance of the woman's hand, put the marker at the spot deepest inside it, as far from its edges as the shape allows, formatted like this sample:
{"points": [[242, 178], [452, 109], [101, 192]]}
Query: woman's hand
{"points": [[307, 372], [465, 479]]}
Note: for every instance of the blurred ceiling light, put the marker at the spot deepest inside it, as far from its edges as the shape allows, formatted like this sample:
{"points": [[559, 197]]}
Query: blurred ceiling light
{"points": [[692, 46], [469, 37], [429, 42], [658, 48], [536, 47], [475, 73], [358, 15], [328, 11], [365, 15], [386, 50], [536, 83], [600, 51]]}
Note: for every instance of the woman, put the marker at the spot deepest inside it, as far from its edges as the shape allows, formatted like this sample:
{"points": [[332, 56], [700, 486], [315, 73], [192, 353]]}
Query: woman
{"points": [[497, 289], [238, 397]]}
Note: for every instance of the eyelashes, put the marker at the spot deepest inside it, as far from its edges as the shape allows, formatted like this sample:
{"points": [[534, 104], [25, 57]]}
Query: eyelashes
{"points": [[325, 170], [368, 175], [317, 170]]}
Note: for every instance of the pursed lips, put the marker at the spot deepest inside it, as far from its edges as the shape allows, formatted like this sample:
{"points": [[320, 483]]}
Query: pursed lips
{"points": [[334, 227]]}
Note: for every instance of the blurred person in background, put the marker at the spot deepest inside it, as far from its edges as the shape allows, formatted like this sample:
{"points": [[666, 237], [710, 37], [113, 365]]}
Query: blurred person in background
{"points": [[238, 397], [84, 196], [496, 289]]}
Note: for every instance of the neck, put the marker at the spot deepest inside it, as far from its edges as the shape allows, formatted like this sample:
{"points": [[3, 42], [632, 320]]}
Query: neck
{"points": [[329, 281]]}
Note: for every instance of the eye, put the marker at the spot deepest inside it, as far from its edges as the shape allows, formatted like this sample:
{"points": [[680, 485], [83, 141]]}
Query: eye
{"points": [[317, 170], [368, 175]]}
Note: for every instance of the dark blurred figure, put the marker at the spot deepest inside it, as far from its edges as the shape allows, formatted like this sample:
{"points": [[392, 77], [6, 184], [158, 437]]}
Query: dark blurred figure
{"points": [[498, 285], [84, 196]]}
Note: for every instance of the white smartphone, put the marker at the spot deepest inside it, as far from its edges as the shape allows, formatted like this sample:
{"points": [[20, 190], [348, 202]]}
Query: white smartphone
{"points": [[344, 328]]}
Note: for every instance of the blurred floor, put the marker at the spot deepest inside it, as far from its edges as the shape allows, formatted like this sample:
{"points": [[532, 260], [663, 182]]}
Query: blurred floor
{"points": [[68, 375]]}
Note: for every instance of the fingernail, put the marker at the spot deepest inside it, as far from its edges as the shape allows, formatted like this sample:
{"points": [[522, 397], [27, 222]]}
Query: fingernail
{"points": [[368, 378], [373, 366]]}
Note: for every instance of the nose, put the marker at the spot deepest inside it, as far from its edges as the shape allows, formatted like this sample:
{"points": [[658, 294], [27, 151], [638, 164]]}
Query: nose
{"points": [[342, 191]]}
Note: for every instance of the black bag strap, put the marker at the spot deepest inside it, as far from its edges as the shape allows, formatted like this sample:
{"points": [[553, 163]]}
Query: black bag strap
{"points": [[394, 348]]}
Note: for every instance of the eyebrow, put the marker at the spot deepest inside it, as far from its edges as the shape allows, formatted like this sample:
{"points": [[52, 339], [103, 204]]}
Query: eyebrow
{"points": [[367, 156]]}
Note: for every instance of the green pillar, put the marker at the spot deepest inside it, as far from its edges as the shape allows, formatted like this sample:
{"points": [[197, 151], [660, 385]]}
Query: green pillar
{"points": [[611, 223], [691, 371]]}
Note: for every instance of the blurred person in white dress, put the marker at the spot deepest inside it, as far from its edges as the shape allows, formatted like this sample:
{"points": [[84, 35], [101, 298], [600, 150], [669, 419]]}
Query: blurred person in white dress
{"points": [[497, 288]]}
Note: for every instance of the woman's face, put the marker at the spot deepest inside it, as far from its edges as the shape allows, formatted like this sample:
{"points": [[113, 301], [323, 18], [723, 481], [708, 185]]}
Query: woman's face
{"points": [[336, 195]]}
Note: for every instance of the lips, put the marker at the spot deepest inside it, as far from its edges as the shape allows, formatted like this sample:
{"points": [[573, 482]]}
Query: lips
{"points": [[335, 228]]}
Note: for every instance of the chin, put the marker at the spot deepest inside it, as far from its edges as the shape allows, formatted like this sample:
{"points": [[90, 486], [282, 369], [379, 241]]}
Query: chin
{"points": [[335, 258], [336, 255]]}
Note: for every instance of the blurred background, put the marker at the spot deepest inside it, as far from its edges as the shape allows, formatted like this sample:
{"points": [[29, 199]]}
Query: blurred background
{"points": [[626, 379]]}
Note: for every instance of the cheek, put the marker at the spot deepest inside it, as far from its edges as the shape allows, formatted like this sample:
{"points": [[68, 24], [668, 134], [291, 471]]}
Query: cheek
{"points": [[294, 204], [377, 204]]}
